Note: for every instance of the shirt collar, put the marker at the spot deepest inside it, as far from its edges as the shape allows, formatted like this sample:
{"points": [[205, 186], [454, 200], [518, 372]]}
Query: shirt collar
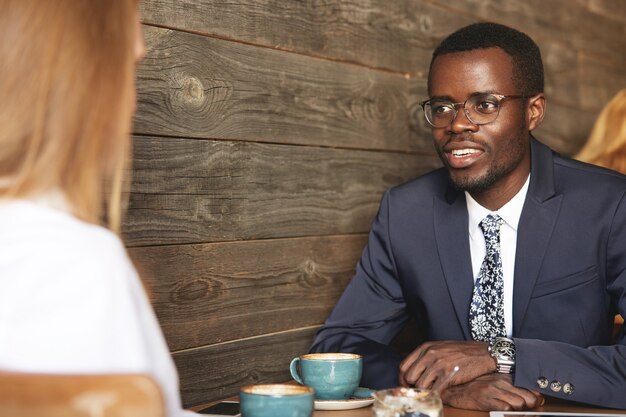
{"points": [[510, 212], [54, 199]]}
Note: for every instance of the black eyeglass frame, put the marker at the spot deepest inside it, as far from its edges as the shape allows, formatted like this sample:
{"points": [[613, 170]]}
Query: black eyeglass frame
{"points": [[455, 107]]}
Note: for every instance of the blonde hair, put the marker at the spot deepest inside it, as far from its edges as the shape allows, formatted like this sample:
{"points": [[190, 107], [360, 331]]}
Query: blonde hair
{"points": [[67, 89], [606, 145]]}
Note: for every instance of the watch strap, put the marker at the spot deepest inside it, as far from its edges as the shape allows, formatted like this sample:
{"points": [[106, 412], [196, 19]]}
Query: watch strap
{"points": [[505, 364]]}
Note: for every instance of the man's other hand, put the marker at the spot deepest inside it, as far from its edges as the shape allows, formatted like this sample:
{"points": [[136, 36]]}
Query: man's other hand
{"points": [[491, 393], [430, 365]]}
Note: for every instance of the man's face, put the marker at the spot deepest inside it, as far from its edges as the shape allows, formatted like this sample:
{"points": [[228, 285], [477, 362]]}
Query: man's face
{"points": [[481, 157]]}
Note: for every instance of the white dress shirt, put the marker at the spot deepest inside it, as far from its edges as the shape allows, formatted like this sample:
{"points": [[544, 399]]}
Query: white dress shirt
{"points": [[71, 300], [510, 213]]}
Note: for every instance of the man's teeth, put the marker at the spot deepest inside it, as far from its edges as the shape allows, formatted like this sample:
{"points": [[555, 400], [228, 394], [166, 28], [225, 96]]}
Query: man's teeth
{"points": [[464, 152]]}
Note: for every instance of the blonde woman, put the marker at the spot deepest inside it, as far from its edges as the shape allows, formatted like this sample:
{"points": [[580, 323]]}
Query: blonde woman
{"points": [[606, 145], [70, 299]]}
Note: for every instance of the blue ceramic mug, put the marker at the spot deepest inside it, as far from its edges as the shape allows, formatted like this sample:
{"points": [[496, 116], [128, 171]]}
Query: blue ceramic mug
{"points": [[276, 400], [333, 376]]}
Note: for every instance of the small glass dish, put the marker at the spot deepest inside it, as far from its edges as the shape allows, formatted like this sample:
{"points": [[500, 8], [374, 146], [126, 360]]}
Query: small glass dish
{"points": [[407, 402]]}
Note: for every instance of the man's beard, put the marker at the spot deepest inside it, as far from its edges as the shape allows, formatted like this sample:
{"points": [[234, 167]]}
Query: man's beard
{"points": [[476, 185], [497, 171]]}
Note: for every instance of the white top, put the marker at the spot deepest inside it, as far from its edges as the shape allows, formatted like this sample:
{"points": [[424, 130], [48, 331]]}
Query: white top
{"points": [[510, 213], [72, 302]]}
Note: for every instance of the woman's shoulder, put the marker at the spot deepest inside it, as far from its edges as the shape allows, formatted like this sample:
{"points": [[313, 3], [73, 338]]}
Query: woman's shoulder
{"points": [[70, 283], [53, 238], [51, 225]]}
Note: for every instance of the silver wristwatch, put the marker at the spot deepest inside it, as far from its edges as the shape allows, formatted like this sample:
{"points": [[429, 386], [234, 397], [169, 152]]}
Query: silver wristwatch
{"points": [[502, 350]]}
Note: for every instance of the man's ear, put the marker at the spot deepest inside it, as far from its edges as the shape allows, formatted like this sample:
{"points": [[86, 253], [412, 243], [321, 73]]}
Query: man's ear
{"points": [[536, 111]]}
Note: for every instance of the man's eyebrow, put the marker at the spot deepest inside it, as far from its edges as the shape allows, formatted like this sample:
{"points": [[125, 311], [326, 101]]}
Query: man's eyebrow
{"points": [[474, 94], [482, 93]]}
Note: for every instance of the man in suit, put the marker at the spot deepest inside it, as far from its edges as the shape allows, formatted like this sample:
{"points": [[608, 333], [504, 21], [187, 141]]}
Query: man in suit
{"points": [[511, 259]]}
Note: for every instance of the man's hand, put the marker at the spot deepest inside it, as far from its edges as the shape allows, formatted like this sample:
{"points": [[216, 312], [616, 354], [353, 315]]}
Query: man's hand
{"points": [[491, 392], [429, 365]]}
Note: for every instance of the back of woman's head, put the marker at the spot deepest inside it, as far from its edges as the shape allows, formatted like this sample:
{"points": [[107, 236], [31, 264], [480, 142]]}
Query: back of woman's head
{"points": [[606, 145], [67, 91]]}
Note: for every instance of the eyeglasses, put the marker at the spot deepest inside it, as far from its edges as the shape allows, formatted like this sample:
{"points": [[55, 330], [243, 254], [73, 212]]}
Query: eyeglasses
{"points": [[480, 109]]}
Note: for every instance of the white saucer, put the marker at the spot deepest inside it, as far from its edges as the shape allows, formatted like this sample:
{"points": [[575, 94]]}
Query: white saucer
{"points": [[362, 398]]}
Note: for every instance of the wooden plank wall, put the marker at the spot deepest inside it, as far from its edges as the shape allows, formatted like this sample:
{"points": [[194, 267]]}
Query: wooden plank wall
{"points": [[265, 135]]}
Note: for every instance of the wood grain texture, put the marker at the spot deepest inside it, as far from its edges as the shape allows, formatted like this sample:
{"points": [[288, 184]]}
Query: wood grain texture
{"points": [[599, 81], [561, 73], [578, 79], [219, 371], [610, 9], [194, 86], [418, 126], [338, 30], [192, 191], [211, 293], [397, 35], [569, 22]]}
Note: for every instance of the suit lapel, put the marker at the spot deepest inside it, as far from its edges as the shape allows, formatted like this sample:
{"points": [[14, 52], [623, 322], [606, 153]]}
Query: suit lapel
{"points": [[451, 231], [535, 228]]}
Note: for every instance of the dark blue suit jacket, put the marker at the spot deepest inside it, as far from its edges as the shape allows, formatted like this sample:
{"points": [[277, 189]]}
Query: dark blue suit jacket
{"points": [[570, 279]]}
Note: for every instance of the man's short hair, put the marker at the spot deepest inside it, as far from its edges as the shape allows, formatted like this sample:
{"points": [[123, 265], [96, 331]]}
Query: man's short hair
{"points": [[524, 52]]}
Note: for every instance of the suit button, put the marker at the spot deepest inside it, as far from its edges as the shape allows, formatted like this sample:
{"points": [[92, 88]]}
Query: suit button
{"points": [[542, 382], [568, 389], [555, 386]]}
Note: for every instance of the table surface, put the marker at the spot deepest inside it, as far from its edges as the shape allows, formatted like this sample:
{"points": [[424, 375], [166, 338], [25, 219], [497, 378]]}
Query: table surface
{"points": [[552, 404]]}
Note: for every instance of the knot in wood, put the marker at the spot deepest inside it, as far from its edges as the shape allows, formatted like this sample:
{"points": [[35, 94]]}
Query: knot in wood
{"points": [[193, 90], [309, 267], [196, 290], [426, 23]]}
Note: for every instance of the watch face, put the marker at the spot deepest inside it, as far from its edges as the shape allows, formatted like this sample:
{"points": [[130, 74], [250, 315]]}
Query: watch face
{"points": [[504, 348]]}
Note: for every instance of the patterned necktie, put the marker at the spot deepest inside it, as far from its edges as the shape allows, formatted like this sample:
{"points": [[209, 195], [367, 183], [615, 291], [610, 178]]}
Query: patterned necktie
{"points": [[486, 314]]}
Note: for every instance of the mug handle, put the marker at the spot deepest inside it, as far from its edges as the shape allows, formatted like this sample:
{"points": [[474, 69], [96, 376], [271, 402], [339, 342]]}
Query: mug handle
{"points": [[293, 368]]}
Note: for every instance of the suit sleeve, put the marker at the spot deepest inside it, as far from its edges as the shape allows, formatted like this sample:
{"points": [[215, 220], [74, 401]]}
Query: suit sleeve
{"points": [[597, 374], [371, 310]]}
